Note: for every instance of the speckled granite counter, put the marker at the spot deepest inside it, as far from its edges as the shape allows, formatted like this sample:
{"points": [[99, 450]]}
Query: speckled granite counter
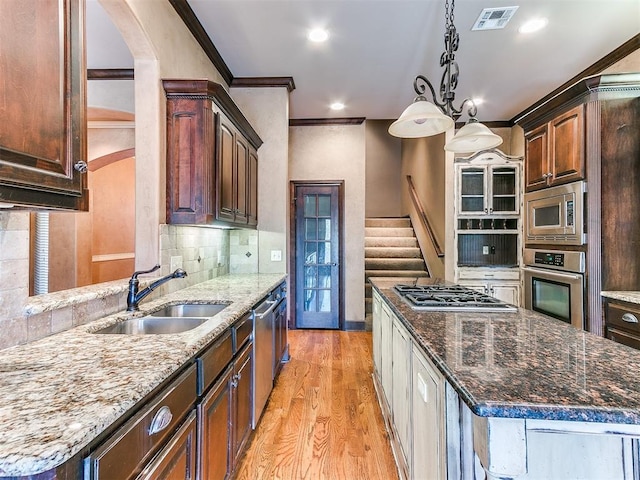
{"points": [[59, 393], [630, 297], [525, 365]]}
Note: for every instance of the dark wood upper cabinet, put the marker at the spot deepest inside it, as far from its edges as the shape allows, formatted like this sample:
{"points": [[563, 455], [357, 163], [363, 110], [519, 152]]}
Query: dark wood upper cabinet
{"points": [[42, 104], [554, 151], [212, 158]]}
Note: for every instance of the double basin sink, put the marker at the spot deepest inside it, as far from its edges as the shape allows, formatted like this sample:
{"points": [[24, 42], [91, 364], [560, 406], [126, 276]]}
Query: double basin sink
{"points": [[170, 319]]}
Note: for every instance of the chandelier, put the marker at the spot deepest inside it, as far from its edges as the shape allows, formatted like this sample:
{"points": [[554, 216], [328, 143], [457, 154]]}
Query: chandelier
{"points": [[424, 119]]}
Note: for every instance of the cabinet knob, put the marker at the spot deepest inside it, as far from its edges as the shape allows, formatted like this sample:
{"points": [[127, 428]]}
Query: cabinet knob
{"points": [[81, 166], [629, 318], [161, 420]]}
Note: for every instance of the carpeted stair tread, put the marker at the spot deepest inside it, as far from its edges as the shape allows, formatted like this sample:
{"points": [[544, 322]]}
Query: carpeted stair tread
{"points": [[406, 242], [392, 252], [394, 264], [395, 273], [387, 222], [388, 232]]}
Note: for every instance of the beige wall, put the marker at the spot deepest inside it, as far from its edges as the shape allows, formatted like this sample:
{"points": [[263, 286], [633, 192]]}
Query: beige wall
{"points": [[384, 163], [337, 152], [424, 160], [267, 109]]}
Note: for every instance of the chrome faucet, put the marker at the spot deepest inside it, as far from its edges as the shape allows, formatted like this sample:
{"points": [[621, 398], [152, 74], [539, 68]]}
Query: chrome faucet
{"points": [[134, 297]]}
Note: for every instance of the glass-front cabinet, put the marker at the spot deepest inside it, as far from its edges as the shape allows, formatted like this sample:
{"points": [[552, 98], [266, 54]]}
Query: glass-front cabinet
{"points": [[488, 190], [488, 225]]}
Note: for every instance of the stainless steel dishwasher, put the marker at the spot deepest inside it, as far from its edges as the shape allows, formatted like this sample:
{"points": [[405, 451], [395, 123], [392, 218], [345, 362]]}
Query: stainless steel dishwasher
{"points": [[262, 354]]}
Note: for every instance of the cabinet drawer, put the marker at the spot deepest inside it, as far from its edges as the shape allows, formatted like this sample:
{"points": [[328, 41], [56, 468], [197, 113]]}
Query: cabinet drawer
{"points": [[126, 451], [213, 361], [242, 331], [623, 338], [623, 316], [483, 274]]}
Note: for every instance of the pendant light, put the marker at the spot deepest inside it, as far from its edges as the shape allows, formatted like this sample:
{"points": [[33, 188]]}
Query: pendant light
{"points": [[424, 119]]}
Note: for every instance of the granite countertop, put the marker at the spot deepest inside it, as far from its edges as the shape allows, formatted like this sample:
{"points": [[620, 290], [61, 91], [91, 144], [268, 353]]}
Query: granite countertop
{"points": [[630, 297], [59, 393], [524, 364]]}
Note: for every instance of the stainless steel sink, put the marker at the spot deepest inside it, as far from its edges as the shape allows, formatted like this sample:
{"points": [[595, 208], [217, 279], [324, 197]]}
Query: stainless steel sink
{"points": [[154, 325], [190, 310]]}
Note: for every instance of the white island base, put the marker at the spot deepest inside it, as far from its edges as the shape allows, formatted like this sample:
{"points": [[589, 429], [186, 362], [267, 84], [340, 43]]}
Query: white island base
{"points": [[552, 449]]}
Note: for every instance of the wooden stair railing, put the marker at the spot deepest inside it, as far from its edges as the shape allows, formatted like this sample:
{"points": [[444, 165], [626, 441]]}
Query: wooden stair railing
{"points": [[423, 217]]}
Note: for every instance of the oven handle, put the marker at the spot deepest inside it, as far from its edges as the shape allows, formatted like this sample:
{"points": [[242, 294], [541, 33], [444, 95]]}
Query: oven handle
{"points": [[542, 271]]}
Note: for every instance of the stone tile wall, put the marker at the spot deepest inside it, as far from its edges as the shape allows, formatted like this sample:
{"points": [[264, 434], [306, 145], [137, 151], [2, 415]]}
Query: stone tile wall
{"points": [[205, 254]]}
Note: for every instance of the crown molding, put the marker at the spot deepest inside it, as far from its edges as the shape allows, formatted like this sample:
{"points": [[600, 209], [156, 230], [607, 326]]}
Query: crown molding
{"points": [[250, 82], [308, 122], [183, 9], [110, 74], [605, 62]]}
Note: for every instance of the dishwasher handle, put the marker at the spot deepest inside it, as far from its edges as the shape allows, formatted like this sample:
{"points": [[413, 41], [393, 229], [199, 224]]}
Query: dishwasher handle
{"points": [[272, 306]]}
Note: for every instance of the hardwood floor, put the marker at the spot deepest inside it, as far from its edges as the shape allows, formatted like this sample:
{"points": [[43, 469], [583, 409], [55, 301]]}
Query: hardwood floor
{"points": [[323, 420]]}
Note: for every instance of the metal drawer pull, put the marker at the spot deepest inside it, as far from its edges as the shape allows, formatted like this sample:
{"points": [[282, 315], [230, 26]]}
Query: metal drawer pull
{"points": [[161, 420], [630, 318]]}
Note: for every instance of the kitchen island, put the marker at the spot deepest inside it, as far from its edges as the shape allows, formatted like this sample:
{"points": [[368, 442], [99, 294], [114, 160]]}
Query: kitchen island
{"points": [[63, 394], [522, 395]]}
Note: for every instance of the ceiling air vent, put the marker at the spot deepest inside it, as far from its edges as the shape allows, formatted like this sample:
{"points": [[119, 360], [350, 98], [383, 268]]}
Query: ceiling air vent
{"points": [[494, 18]]}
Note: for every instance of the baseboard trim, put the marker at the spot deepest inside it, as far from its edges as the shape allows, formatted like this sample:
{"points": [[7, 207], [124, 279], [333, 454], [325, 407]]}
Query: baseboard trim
{"points": [[354, 326]]}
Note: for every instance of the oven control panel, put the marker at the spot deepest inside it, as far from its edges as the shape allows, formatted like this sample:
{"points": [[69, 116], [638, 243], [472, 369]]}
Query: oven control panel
{"points": [[549, 258], [565, 260]]}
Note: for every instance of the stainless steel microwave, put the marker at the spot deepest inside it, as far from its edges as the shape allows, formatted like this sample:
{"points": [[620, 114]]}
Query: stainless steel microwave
{"points": [[555, 215]]}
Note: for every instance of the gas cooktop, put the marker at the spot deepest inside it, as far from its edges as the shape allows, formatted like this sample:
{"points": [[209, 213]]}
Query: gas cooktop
{"points": [[449, 298]]}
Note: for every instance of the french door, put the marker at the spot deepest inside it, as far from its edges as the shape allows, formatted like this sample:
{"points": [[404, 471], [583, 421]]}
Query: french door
{"points": [[317, 255]]}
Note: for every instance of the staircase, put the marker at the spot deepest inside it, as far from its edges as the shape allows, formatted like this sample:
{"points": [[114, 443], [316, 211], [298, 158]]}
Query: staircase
{"points": [[390, 250]]}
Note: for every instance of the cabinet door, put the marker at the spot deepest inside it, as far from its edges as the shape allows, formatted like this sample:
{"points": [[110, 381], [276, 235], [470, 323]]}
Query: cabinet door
{"points": [[42, 104], [242, 394], [536, 156], [241, 178], [376, 332], [177, 460], [473, 190], [386, 360], [509, 293], [477, 286], [226, 189], [566, 154], [428, 420], [401, 371], [190, 161], [252, 185], [504, 190], [214, 414]]}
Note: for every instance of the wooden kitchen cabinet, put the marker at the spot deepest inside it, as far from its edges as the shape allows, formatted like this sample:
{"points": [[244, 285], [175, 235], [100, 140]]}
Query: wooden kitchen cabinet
{"points": [[622, 322], [212, 160], [43, 104], [177, 460], [241, 401], [500, 283], [401, 394], [428, 415], [214, 413], [554, 151]]}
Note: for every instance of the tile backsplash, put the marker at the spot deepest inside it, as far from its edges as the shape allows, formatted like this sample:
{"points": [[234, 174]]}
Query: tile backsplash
{"points": [[204, 253]]}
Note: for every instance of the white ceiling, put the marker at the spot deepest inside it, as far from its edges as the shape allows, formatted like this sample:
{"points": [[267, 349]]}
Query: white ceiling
{"points": [[377, 47]]}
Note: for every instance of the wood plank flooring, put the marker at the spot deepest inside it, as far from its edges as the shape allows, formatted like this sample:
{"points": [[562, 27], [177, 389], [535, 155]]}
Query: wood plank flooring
{"points": [[322, 420]]}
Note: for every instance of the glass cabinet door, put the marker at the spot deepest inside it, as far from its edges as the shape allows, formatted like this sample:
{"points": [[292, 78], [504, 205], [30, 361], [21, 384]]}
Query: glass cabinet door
{"points": [[503, 190], [472, 190]]}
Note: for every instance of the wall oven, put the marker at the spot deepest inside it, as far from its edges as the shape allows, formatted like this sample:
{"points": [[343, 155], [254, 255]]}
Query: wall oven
{"points": [[554, 284], [555, 215]]}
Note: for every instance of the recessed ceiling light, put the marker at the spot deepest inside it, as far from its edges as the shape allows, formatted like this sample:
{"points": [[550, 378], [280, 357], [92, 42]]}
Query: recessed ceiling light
{"points": [[337, 106], [533, 25], [318, 35]]}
